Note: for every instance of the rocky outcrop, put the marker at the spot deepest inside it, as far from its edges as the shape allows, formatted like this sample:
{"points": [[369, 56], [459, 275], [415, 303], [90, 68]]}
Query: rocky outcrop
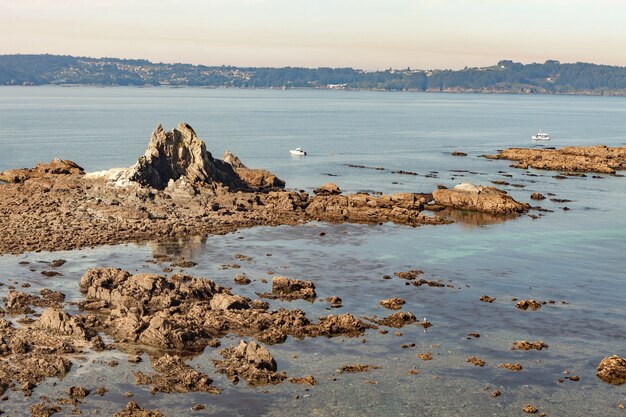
{"points": [[42, 170], [599, 158], [291, 289], [392, 303], [327, 189], [184, 312], [466, 196], [174, 375], [180, 153], [250, 361], [612, 370], [404, 208], [256, 179]]}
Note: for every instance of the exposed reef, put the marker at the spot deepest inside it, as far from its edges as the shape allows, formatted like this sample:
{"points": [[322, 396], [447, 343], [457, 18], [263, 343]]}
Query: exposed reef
{"points": [[175, 189], [602, 159]]}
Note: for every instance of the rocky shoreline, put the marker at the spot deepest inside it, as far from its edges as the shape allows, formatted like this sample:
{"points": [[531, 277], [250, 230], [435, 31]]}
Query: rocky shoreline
{"points": [[177, 189]]}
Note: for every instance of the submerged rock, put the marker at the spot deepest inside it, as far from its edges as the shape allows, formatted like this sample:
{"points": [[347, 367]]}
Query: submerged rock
{"points": [[291, 289], [132, 409], [467, 196], [174, 375]]}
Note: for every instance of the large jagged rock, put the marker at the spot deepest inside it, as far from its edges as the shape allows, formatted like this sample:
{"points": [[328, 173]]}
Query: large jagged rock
{"points": [[467, 196], [54, 167], [180, 153], [258, 179], [250, 361]]}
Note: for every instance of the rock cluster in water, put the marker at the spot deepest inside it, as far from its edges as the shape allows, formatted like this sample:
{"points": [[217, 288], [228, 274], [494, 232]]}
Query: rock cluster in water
{"points": [[602, 159]]}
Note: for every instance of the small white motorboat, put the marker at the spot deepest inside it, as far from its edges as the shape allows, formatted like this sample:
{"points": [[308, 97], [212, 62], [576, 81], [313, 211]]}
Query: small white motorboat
{"points": [[297, 152], [540, 136]]}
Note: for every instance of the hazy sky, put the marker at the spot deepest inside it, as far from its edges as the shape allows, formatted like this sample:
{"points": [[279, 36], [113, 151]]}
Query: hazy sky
{"points": [[358, 33]]}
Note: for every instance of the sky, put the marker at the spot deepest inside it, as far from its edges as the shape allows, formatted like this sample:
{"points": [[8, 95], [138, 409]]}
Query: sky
{"points": [[366, 34]]}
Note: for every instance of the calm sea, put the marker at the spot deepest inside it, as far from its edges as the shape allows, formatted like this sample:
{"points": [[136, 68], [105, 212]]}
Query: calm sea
{"points": [[574, 256]]}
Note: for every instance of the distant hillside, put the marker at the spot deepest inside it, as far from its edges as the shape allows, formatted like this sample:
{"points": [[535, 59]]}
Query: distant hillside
{"points": [[551, 77]]}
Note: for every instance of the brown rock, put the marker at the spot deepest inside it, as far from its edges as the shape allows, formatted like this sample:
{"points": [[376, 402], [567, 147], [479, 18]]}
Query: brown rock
{"points": [[327, 189], [524, 345], [537, 196], [468, 196], [77, 391], [228, 302], [487, 299], [356, 368], [392, 303], [54, 167], [43, 409], [425, 356], [242, 279], [612, 370], [516, 367], [410, 274], [180, 153], [530, 409], [173, 375], [528, 304], [305, 380], [251, 362], [132, 409], [475, 361], [398, 319], [291, 289], [599, 158]]}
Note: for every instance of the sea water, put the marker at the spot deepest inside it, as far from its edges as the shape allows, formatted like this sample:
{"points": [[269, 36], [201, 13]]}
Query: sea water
{"points": [[573, 257]]}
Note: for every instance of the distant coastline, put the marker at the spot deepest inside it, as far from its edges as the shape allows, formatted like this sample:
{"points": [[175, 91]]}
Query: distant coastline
{"points": [[506, 77]]}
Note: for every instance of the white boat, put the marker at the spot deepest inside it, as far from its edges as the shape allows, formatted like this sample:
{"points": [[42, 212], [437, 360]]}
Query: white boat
{"points": [[541, 136], [297, 152]]}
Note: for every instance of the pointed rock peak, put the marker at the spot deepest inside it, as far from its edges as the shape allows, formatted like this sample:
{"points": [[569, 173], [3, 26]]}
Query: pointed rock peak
{"points": [[232, 159]]}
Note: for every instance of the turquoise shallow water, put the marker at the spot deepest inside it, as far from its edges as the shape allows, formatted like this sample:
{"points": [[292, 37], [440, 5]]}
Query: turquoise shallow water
{"points": [[574, 256]]}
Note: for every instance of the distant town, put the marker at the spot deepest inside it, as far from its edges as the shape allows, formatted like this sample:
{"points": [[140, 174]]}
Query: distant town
{"points": [[550, 77]]}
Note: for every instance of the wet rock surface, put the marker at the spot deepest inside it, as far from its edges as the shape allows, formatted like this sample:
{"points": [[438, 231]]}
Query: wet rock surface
{"points": [[291, 289], [133, 409], [601, 159], [250, 361], [612, 370], [185, 312], [173, 375], [398, 320]]}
